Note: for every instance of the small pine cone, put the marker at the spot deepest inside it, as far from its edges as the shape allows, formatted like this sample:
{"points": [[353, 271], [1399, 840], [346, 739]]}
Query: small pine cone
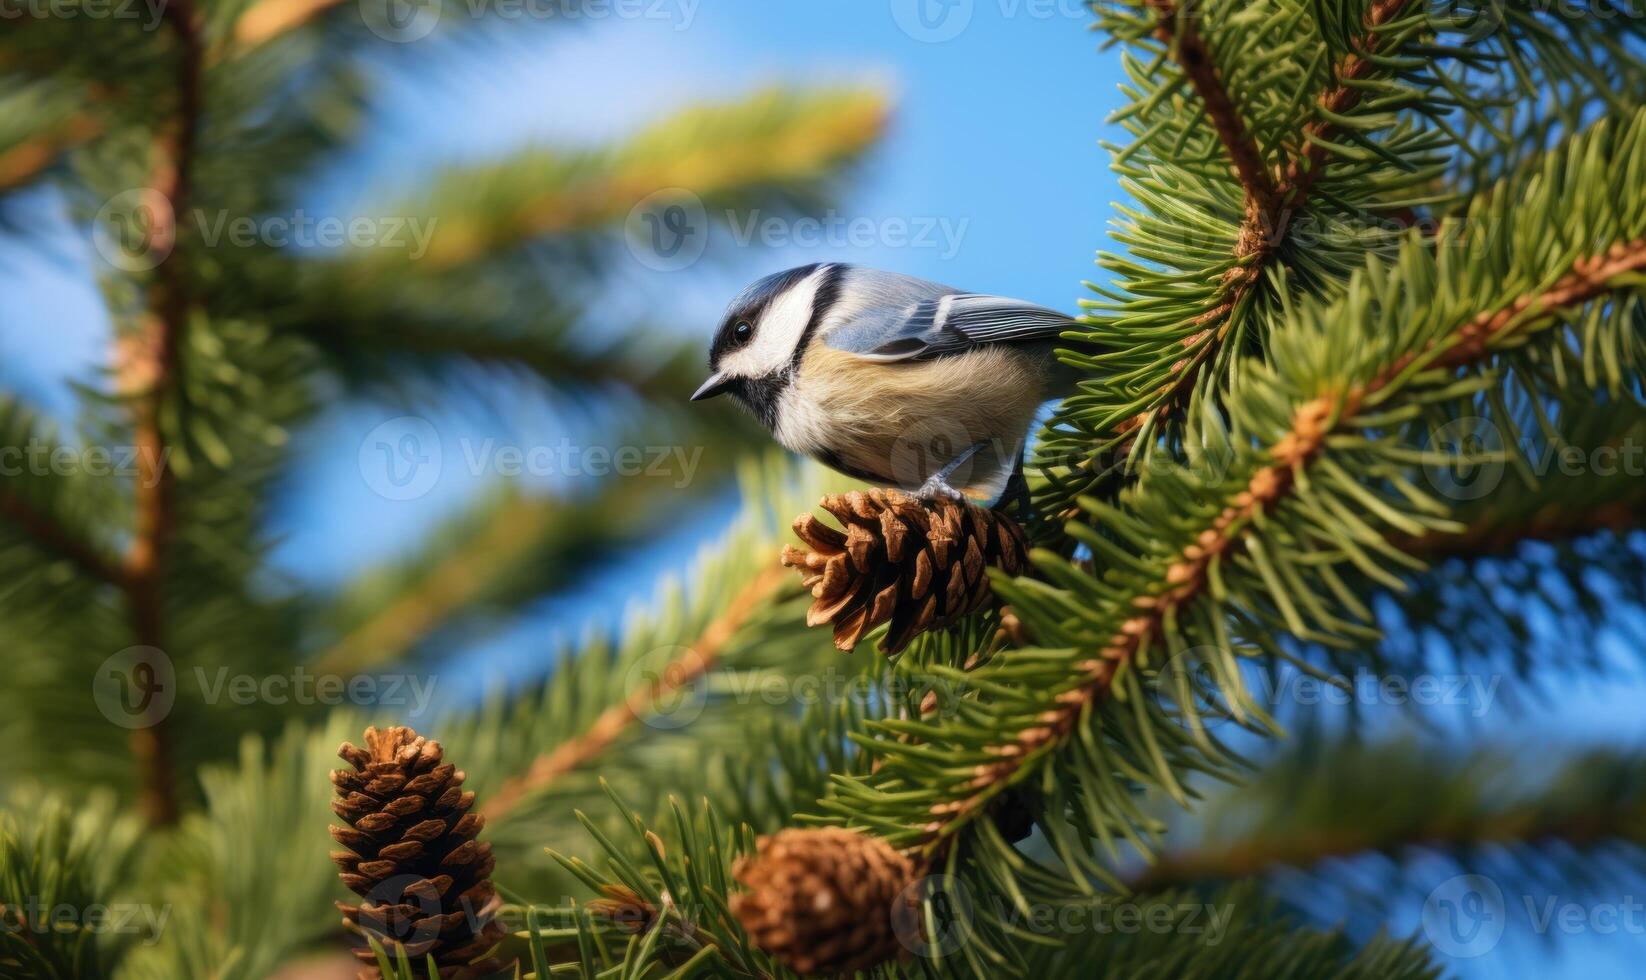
{"points": [[916, 565], [826, 900], [412, 856]]}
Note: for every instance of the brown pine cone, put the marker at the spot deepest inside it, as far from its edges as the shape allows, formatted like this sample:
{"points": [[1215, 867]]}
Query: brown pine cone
{"points": [[825, 900], [412, 856], [916, 565]]}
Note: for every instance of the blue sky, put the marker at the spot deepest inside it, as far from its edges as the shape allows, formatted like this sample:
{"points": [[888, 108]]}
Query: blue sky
{"points": [[980, 161], [995, 133]]}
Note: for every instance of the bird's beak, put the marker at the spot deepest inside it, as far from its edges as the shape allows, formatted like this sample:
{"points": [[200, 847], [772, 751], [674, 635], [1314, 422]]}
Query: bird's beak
{"points": [[717, 383]]}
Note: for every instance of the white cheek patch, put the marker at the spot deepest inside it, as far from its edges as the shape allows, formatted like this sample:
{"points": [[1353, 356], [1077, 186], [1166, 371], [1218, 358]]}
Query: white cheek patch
{"points": [[778, 332], [803, 426]]}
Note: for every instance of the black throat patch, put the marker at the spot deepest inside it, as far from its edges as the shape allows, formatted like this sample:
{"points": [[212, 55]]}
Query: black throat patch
{"points": [[760, 395]]}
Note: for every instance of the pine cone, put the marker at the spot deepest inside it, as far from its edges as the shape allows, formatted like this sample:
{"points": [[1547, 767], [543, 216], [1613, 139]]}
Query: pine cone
{"points": [[824, 900], [918, 566], [413, 856]]}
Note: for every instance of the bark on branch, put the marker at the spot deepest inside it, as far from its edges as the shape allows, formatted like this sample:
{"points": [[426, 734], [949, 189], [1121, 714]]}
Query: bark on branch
{"points": [[1187, 578], [697, 660]]}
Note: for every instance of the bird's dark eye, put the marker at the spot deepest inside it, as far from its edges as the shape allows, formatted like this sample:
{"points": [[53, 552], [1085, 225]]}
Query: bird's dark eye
{"points": [[742, 331]]}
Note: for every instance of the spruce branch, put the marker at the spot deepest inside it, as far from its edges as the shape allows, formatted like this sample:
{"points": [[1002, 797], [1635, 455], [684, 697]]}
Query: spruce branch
{"points": [[696, 659], [776, 138], [1179, 23], [1309, 159], [266, 20], [1266, 854], [1330, 799], [145, 598], [1312, 424], [509, 549], [149, 368], [56, 550], [1312, 438], [544, 352], [1590, 277], [54, 539], [20, 163], [509, 530], [675, 895], [621, 705], [1490, 535], [1270, 204], [254, 855], [475, 296], [1358, 124], [1183, 582], [56, 854], [262, 22]]}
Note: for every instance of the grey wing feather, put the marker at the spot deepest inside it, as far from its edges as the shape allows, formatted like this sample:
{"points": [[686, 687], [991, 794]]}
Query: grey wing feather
{"points": [[909, 319]]}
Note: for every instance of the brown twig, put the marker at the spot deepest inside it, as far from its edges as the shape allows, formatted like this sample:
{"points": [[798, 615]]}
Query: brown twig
{"points": [[52, 537], [706, 170], [1262, 854], [268, 19], [21, 162], [260, 23], [448, 586], [1186, 578], [699, 658], [1489, 536], [1270, 205], [517, 530], [148, 370], [1178, 23]]}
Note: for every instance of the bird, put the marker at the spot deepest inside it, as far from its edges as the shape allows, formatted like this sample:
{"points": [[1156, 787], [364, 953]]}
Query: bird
{"points": [[889, 378]]}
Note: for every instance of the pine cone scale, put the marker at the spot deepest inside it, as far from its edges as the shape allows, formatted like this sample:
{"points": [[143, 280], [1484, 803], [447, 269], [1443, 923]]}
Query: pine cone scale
{"points": [[413, 856], [823, 901], [915, 565]]}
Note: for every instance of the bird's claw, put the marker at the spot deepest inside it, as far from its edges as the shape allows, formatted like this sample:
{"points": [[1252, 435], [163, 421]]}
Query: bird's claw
{"points": [[937, 485], [936, 488]]}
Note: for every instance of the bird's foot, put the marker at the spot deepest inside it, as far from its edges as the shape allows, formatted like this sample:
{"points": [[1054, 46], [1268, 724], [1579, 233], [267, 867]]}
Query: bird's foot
{"points": [[937, 488], [937, 485]]}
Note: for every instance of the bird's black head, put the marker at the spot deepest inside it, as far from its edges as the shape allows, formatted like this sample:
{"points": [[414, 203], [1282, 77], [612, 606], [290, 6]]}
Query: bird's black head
{"points": [[764, 334]]}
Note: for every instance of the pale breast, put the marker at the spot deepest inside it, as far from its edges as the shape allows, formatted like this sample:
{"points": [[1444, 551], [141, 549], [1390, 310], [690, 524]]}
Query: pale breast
{"points": [[899, 422]]}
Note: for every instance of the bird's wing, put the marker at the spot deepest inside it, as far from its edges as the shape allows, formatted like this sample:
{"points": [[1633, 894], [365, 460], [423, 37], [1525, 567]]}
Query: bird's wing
{"points": [[950, 323]]}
